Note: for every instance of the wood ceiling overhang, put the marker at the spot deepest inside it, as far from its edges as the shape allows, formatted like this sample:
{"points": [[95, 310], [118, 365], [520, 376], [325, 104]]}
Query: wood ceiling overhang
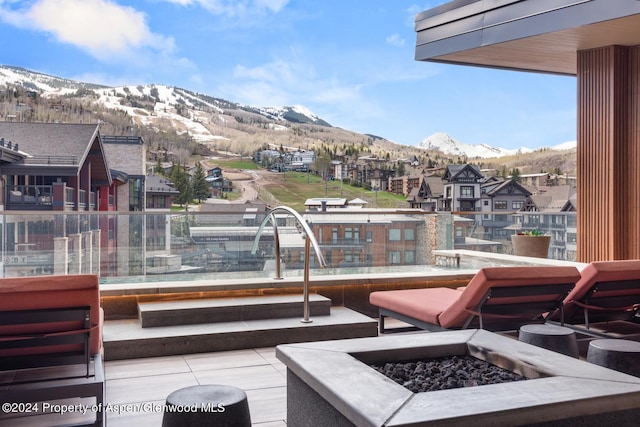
{"points": [[528, 35]]}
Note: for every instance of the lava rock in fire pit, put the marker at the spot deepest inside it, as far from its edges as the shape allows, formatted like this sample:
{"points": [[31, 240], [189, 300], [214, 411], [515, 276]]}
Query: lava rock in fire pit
{"points": [[445, 373]]}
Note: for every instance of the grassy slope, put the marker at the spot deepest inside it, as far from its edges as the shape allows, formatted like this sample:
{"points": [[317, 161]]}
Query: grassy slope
{"points": [[293, 189]]}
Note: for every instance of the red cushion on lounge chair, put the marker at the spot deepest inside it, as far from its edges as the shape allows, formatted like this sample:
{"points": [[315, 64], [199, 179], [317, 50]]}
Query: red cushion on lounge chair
{"points": [[57, 291], [599, 272], [422, 304], [457, 313]]}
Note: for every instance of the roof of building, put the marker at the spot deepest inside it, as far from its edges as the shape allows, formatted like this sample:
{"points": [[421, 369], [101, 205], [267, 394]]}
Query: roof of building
{"points": [[330, 202], [237, 208], [525, 35], [454, 170], [497, 187], [122, 139], [436, 185], [357, 202], [359, 216], [559, 198], [60, 148], [159, 184]]}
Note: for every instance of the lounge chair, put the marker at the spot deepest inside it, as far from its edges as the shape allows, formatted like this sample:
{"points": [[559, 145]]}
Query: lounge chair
{"points": [[53, 324], [497, 298], [606, 298]]}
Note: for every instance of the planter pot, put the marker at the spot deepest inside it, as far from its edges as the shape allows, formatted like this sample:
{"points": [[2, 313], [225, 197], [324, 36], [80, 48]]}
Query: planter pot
{"points": [[534, 246]]}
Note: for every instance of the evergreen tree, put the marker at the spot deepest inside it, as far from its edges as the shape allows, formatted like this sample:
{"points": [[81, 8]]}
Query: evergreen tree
{"points": [[182, 183], [200, 184], [515, 174]]}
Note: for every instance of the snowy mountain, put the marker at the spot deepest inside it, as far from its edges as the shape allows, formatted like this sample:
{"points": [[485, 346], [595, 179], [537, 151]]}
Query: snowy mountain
{"points": [[449, 145], [166, 102], [207, 119], [41, 82]]}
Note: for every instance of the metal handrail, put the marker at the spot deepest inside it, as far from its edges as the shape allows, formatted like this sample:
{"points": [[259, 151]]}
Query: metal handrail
{"points": [[309, 240]]}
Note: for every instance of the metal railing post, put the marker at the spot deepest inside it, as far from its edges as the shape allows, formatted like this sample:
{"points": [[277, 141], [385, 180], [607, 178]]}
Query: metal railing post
{"points": [[309, 240], [305, 288]]}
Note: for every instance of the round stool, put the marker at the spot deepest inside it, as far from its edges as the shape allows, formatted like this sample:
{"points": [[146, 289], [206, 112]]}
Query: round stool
{"points": [[207, 405], [617, 354], [555, 338]]}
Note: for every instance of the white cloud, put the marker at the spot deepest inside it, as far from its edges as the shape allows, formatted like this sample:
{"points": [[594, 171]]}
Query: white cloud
{"points": [[273, 72], [285, 83], [234, 7], [102, 28], [273, 5], [395, 40]]}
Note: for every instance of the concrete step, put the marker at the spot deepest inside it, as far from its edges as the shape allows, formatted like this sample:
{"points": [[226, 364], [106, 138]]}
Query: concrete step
{"points": [[125, 339], [213, 310]]}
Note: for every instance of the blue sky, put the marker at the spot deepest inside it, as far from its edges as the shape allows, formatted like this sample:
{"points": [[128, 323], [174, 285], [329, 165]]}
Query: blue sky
{"points": [[351, 62]]}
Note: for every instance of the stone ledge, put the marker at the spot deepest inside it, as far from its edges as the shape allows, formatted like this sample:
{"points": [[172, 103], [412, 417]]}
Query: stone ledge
{"points": [[559, 387]]}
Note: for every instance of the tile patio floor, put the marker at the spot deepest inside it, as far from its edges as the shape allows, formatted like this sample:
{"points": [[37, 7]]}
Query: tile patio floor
{"points": [[151, 380], [256, 371]]}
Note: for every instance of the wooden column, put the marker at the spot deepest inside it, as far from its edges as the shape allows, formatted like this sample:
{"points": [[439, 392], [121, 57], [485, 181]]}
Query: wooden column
{"points": [[608, 154]]}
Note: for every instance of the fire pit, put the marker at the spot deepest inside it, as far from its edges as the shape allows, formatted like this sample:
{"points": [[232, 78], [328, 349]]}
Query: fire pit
{"points": [[332, 383], [445, 373]]}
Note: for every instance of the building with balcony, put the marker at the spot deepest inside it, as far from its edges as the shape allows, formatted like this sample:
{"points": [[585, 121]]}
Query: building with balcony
{"points": [[159, 193], [462, 188], [57, 167], [428, 195], [77, 178], [365, 238]]}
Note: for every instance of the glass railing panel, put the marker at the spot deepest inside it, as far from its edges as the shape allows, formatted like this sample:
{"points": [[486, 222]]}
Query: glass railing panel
{"points": [[145, 246], [491, 231]]}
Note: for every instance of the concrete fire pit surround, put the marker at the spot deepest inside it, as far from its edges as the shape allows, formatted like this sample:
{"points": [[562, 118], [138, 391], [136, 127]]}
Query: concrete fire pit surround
{"points": [[331, 383]]}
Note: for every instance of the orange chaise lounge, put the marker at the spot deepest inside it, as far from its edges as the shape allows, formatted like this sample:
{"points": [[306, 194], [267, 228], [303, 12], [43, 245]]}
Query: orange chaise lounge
{"points": [[496, 298], [53, 323], [606, 298]]}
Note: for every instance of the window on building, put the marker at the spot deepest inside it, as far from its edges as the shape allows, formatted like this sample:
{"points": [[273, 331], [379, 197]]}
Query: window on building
{"points": [[410, 257], [532, 220], [517, 204], [352, 256], [500, 204], [352, 235], [395, 234], [394, 257], [136, 193], [369, 236], [348, 234], [409, 234], [466, 191], [334, 236], [486, 203]]}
